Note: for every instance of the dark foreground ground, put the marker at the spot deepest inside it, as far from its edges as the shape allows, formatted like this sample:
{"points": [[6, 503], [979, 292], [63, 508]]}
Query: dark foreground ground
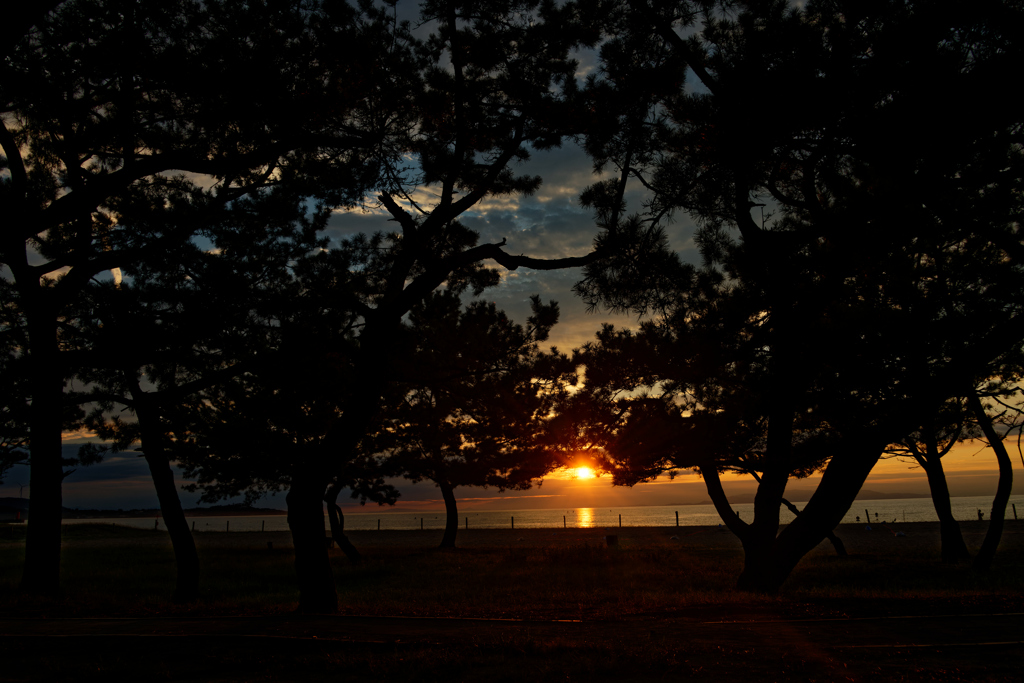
{"points": [[528, 605]]}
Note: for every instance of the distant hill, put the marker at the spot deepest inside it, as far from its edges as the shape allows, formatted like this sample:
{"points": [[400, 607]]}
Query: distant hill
{"points": [[233, 509], [229, 510], [803, 495], [879, 495]]}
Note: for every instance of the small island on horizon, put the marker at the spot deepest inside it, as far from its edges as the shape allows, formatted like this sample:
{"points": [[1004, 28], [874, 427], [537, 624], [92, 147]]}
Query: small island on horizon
{"points": [[226, 510]]}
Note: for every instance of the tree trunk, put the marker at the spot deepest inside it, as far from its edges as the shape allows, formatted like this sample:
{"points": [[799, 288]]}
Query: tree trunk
{"points": [[451, 520], [186, 558], [186, 588], [317, 593], [41, 572], [337, 519], [759, 541], [757, 563], [983, 560], [713, 483], [837, 542], [755, 551], [953, 547], [769, 562], [840, 483]]}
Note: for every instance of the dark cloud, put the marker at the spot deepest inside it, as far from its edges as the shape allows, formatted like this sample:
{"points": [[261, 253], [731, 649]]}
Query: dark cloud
{"points": [[120, 481], [552, 229], [114, 467], [344, 224]]}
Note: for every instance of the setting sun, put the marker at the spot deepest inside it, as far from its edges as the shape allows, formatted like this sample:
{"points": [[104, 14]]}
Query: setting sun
{"points": [[585, 473]]}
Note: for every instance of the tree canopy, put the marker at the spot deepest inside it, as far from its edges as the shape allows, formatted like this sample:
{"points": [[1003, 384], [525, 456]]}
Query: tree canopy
{"points": [[114, 111], [472, 405], [169, 170], [884, 276]]}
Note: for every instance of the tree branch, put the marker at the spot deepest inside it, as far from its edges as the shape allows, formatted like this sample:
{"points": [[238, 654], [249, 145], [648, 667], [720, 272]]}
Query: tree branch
{"points": [[400, 215], [470, 199], [19, 176], [678, 44], [436, 275], [99, 187]]}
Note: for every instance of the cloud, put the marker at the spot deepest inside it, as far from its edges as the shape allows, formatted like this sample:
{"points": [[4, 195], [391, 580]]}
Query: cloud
{"points": [[115, 467], [348, 223], [120, 481], [80, 435], [542, 229]]}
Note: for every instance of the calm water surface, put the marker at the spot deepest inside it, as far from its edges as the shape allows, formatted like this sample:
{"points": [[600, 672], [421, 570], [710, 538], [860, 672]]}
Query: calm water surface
{"points": [[887, 510]]}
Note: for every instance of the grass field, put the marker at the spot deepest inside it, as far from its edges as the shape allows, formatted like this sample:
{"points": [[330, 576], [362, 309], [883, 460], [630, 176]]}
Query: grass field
{"points": [[659, 604]]}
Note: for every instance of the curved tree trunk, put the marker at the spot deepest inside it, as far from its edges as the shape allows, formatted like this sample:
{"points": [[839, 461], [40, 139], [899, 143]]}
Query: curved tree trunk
{"points": [[186, 588], [785, 372], [840, 483], [41, 571], [713, 483], [317, 592], [185, 556], [755, 576], [752, 557], [837, 542], [953, 547], [768, 562], [759, 543], [983, 560], [337, 519], [451, 520]]}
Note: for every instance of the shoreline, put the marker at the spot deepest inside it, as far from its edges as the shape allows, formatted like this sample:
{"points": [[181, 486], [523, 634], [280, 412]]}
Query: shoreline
{"points": [[239, 510], [150, 513], [904, 539]]}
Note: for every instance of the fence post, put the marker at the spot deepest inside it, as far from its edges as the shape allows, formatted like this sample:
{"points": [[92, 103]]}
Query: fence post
{"points": [[228, 527], [620, 521], [677, 517], [564, 526], [467, 522], [513, 522]]}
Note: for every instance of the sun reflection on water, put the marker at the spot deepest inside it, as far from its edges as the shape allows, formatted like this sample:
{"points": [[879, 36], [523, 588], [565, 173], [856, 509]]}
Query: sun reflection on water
{"points": [[585, 518]]}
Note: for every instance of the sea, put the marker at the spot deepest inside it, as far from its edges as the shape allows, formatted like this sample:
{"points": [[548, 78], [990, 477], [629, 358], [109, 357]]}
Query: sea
{"points": [[889, 511]]}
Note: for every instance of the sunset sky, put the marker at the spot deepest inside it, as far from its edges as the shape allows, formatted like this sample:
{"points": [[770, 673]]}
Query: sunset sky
{"points": [[122, 481], [550, 224]]}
